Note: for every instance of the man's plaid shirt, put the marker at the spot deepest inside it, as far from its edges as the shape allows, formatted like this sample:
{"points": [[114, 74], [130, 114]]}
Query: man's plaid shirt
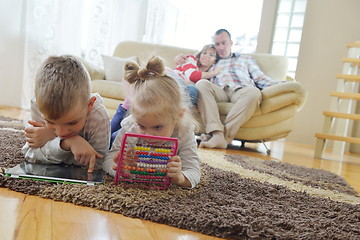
{"points": [[241, 71]]}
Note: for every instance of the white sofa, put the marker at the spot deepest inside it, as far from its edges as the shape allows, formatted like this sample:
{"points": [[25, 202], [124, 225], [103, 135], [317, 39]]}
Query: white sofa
{"points": [[273, 119]]}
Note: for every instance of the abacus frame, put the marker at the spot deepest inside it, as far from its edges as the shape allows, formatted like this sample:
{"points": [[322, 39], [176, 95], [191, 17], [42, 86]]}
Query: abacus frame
{"points": [[151, 176]]}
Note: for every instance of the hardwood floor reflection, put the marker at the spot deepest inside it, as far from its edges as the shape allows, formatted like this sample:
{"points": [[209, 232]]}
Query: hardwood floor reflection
{"points": [[30, 217]]}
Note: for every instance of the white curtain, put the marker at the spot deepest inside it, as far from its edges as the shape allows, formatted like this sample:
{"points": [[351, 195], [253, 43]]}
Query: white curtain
{"points": [[88, 29], [161, 22], [128, 21], [77, 27], [97, 27], [49, 28]]}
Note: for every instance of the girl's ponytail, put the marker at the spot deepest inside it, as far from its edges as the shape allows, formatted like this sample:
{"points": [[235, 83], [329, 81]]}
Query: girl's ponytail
{"points": [[131, 72], [153, 70]]}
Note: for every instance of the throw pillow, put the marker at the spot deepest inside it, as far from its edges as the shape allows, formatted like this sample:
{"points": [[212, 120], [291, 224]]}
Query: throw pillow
{"points": [[114, 67]]}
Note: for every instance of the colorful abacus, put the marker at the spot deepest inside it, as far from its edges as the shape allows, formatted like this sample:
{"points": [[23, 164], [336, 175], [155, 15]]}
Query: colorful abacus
{"points": [[142, 163]]}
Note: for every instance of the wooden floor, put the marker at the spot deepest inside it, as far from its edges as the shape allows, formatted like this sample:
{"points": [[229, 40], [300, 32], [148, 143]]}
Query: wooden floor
{"points": [[29, 217]]}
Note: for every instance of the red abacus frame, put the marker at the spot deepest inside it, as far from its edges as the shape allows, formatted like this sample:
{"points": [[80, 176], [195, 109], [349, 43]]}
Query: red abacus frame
{"points": [[142, 160]]}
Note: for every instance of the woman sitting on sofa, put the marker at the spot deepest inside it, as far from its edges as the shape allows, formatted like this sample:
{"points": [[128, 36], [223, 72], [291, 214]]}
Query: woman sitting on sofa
{"points": [[189, 70]]}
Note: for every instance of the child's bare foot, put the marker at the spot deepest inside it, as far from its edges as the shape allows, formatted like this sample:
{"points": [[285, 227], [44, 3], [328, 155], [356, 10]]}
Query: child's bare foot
{"points": [[216, 141]]}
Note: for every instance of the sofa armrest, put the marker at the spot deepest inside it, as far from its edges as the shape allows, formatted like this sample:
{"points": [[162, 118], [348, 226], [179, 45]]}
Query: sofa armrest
{"points": [[95, 72], [281, 95]]}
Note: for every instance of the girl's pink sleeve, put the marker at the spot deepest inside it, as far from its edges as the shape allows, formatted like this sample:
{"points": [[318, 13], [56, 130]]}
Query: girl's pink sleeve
{"points": [[126, 103]]}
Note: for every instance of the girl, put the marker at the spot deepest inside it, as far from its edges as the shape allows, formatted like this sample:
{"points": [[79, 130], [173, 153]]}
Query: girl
{"points": [[159, 107], [193, 68]]}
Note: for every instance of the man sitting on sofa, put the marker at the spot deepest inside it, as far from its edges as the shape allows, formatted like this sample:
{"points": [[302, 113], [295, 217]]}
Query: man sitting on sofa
{"points": [[239, 82]]}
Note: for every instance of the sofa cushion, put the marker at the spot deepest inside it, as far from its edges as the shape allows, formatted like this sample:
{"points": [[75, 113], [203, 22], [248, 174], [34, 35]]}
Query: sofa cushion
{"points": [[144, 51], [114, 67], [111, 105], [109, 89], [94, 71]]}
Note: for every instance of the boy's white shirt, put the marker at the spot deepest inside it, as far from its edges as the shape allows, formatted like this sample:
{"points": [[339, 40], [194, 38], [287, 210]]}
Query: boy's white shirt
{"points": [[187, 151], [96, 132]]}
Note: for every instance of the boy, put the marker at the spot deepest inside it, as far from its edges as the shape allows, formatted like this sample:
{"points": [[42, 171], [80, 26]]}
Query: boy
{"points": [[69, 125]]}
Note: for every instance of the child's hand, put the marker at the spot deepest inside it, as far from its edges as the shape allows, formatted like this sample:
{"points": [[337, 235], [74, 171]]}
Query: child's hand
{"points": [[83, 152], [38, 134], [180, 59], [115, 159], [174, 172]]}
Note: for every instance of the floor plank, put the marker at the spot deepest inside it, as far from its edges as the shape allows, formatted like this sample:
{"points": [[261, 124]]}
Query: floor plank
{"points": [[34, 219], [10, 206], [161, 232], [68, 222]]}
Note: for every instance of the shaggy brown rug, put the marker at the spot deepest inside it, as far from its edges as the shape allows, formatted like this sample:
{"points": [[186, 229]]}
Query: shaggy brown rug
{"points": [[239, 197]]}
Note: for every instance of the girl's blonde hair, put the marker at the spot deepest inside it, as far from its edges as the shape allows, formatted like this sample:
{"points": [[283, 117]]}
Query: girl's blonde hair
{"points": [[157, 93], [61, 83]]}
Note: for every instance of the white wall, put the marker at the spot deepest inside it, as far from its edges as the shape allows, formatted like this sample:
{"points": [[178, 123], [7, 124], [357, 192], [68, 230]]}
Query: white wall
{"points": [[267, 23], [11, 52], [329, 25]]}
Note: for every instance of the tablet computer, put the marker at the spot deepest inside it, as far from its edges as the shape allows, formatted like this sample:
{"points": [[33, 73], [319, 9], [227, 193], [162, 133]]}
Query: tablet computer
{"points": [[55, 173]]}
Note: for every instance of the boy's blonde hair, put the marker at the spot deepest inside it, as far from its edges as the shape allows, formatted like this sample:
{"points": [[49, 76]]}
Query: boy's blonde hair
{"points": [[158, 93], [61, 83]]}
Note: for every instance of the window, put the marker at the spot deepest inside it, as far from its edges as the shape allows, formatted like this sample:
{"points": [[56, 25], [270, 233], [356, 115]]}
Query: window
{"points": [[288, 30], [198, 20]]}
